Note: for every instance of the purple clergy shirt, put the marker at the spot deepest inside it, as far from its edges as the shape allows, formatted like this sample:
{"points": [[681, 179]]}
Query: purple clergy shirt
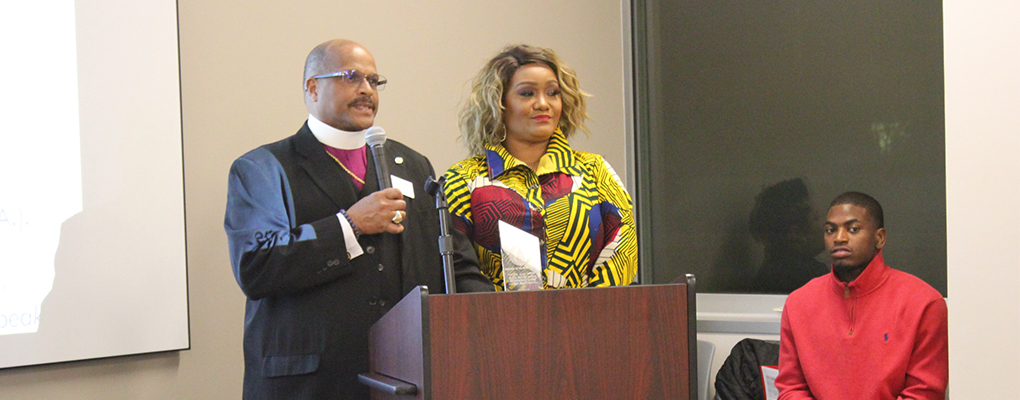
{"points": [[354, 160]]}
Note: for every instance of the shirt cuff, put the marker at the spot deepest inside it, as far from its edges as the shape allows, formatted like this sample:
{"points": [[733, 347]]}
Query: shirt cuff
{"points": [[350, 239]]}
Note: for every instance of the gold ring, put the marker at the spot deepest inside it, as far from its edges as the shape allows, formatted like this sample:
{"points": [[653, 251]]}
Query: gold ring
{"points": [[398, 217]]}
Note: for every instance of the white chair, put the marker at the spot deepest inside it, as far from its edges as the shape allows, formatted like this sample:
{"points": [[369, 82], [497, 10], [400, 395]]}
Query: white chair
{"points": [[706, 351]]}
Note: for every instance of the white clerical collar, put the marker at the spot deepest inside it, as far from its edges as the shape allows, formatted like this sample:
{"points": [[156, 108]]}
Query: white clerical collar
{"points": [[336, 138]]}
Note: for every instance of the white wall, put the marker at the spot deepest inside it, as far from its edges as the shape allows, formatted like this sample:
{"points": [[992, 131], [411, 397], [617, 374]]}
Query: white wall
{"points": [[982, 58]]}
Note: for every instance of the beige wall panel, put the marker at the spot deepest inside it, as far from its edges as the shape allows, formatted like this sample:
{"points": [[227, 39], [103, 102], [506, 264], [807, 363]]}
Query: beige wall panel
{"points": [[248, 74], [241, 65]]}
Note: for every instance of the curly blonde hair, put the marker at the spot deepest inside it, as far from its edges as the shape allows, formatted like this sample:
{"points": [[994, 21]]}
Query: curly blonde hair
{"points": [[481, 120]]}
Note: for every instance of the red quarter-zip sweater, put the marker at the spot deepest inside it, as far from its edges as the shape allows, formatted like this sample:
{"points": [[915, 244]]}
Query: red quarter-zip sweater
{"points": [[882, 336]]}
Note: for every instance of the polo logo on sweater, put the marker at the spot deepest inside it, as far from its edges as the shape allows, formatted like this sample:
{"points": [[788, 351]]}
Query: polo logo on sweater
{"points": [[886, 337]]}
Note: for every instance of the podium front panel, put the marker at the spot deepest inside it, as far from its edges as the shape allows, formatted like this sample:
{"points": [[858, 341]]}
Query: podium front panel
{"points": [[627, 342]]}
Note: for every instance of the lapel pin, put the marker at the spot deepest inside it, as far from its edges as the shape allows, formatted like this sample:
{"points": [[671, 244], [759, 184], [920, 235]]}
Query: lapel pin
{"points": [[399, 160]]}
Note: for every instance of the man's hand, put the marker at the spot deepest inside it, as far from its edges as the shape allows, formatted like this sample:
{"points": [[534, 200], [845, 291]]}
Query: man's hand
{"points": [[375, 213]]}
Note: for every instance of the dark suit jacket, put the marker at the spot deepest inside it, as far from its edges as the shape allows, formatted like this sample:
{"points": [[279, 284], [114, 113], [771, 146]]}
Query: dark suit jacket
{"points": [[309, 307]]}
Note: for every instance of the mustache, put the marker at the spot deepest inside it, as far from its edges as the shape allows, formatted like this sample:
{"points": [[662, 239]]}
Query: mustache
{"points": [[363, 100]]}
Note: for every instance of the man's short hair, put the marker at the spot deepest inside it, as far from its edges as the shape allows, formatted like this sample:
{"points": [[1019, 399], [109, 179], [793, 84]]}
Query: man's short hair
{"points": [[862, 200], [322, 56]]}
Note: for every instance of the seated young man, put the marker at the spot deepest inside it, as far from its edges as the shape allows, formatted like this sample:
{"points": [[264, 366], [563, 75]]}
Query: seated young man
{"points": [[865, 330]]}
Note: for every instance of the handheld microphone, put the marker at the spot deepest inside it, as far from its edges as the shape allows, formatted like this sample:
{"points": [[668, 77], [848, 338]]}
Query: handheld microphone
{"points": [[375, 137]]}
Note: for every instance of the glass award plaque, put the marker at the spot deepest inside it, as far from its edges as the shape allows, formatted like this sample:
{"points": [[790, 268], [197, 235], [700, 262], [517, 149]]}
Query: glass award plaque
{"points": [[521, 257]]}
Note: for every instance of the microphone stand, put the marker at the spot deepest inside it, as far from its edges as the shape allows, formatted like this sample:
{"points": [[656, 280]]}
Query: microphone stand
{"points": [[435, 188]]}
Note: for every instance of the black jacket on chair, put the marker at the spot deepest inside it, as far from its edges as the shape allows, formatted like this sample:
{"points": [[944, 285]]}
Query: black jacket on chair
{"points": [[739, 378]]}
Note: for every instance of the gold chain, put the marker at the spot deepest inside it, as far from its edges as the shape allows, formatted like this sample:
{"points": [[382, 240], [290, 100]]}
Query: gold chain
{"points": [[345, 169]]}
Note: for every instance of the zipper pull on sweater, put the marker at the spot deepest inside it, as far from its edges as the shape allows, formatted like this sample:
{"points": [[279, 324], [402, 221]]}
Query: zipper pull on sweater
{"points": [[853, 307]]}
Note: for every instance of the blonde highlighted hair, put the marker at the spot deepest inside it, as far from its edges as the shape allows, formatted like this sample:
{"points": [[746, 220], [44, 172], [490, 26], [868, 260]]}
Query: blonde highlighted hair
{"points": [[481, 119]]}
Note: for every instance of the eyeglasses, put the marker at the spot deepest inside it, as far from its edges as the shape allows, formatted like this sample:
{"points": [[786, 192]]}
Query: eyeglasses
{"points": [[354, 78]]}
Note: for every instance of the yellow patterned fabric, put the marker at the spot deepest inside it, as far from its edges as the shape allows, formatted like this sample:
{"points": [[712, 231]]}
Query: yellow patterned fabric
{"points": [[574, 203]]}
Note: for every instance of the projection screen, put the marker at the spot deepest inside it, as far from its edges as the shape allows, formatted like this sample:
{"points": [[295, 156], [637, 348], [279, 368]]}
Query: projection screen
{"points": [[92, 245]]}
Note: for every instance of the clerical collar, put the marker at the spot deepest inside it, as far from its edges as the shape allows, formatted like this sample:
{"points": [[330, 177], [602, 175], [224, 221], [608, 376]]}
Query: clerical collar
{"points": [[336, 138]]}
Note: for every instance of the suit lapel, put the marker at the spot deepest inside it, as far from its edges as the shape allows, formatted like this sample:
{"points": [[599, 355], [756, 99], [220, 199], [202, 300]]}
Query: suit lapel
{"points": [[323, 169]]}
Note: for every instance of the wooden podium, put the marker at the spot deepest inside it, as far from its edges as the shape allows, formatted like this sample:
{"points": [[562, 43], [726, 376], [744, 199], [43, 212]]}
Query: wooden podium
{"points": [[628, 342]]}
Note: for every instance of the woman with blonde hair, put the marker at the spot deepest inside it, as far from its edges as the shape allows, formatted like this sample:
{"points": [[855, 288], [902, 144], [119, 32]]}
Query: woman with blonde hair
{"points": [[524, 105]]}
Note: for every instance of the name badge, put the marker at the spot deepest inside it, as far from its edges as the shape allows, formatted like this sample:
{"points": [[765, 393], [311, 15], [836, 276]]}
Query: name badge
{"points": [[406, 187]]}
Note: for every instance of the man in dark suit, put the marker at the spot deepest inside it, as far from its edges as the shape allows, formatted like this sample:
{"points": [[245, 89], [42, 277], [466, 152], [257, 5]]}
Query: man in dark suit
{"points": [[321, 252]]}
